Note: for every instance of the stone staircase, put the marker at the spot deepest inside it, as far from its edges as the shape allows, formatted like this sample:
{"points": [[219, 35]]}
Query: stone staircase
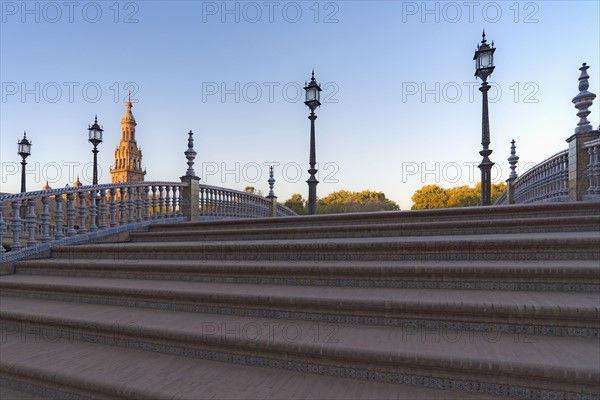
{"points": [[485, 302]]}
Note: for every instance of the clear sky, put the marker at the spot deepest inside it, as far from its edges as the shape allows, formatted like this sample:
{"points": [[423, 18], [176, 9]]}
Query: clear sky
{"points": [[400, 108]]}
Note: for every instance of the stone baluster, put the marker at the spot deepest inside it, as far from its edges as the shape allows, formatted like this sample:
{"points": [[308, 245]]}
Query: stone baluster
{"points": [[71, 213], [113, 207], [93, 210], [2, 227], [146, 203], [82, 212], [31, 223], [45, 236], [16, 225], [176, 193], [130, 206], [202, 195], [139, 204], [59, 218], [123, 206], [167, 213], [161, 202], [154, 203], [102, 210]]}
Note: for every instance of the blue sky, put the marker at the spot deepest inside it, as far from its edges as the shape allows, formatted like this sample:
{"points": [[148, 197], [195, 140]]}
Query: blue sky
{"points": [[400, 108]]}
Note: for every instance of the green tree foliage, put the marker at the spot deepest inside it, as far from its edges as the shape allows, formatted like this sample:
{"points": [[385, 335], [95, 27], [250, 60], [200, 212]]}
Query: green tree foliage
{"points": [[297, 204], [434, 196], [344, 201], [430, 196]]}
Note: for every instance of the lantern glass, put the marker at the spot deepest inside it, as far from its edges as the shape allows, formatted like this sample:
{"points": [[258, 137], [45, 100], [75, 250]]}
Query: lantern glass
{"points": [[312, 93], [24, 147], [485, 59], [95, 134]]}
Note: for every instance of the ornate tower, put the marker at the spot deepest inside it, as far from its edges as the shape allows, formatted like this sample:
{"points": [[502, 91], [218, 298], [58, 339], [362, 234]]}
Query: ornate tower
{"points": [[128, 157]]}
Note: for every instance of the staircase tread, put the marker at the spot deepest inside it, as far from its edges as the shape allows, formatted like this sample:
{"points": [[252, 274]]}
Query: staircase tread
{"points": [[524, 302], [148, 375], [416, 266], [384, 240], [407, 224], [482, 351]]}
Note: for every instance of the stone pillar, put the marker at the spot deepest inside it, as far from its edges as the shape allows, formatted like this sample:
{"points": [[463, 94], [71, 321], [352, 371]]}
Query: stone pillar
{"points": [[578, 156], [512, 161], [271, 195], [190, 195]]}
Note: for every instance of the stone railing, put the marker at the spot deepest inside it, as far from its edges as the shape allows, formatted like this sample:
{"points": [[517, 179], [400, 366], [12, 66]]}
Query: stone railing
{"points": [[548, 181], [220, 202], [71, 214], [593, 169], [33, 222]]}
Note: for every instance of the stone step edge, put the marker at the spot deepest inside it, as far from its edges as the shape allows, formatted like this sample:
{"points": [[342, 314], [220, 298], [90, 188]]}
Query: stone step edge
{"points": [[405, 229], [552, 325], [537, 245], [165, 341], [581, 313], [587, 269], [23, 372], [576, 284], [522, 211]]}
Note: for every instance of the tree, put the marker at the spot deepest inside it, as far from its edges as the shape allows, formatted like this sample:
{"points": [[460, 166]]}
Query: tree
{"points": [[430, 196], [434, 196], [344, 201], [297, 204]]}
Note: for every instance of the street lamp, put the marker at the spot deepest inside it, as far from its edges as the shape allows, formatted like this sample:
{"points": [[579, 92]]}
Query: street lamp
{"points": [[484, 61], [313, 96], [24, 147], [95, 138]]}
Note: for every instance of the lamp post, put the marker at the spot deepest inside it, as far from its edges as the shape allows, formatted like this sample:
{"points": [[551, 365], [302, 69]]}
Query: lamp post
{"points": [[95, 138], [313, 96], [24, 147], [484, 60]]}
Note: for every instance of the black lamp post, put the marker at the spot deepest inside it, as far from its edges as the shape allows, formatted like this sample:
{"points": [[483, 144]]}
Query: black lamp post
{"points": [[484, 60], [24, 147], [95, 138], [313, 96]]}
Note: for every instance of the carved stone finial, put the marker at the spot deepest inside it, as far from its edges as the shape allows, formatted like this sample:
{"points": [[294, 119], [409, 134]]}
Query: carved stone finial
{"points": [[512, 160], [271, 182], [583, 101], [190, 154]]}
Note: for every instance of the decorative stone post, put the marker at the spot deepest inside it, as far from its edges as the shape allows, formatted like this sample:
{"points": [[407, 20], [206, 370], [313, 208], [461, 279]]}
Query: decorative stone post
{"points": [[190, 196], [271, 195], [578, 155], [512, 160]]}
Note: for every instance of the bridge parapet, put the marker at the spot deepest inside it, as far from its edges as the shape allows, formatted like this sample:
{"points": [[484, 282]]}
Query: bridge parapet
{"points": [[33, 222], [570, 175]]}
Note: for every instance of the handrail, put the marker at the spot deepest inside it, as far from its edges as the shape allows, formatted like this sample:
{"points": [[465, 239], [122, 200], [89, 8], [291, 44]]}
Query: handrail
{"points": [[33, 219], [221, 202], [547, 181]]}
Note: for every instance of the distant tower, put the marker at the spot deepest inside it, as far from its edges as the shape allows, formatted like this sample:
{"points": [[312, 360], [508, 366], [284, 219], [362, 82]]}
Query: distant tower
{"points": [[128, 157]]}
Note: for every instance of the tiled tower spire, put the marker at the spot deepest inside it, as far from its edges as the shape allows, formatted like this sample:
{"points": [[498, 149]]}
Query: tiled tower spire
{"points": [[128, 157]]}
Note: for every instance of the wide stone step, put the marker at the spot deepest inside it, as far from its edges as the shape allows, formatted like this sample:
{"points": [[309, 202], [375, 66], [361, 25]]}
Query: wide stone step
{"points": [[541, 364], [566, 276], [517, 212], [540, 313], [492, 247], [484, 226], [107, 372]]}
